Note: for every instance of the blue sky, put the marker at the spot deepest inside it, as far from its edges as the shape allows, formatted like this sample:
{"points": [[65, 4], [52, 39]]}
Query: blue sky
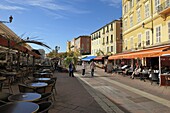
{"points": [[54, 22]]}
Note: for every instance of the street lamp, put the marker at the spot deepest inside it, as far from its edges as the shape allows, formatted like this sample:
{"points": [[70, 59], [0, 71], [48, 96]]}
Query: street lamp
{"points": [[57, 48], [143, 26], [10, 20]]}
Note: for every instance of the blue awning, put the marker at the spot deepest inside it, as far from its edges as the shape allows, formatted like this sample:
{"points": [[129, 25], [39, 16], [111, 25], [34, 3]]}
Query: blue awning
{"points": [[88, 58]]}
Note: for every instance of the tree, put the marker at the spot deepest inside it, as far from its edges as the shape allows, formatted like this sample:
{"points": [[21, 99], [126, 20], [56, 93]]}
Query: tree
{"points": [[100, 52]]}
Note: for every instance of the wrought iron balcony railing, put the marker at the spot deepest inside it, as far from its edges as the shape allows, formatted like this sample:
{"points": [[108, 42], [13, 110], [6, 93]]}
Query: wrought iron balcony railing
{"points": [[164, 6]]}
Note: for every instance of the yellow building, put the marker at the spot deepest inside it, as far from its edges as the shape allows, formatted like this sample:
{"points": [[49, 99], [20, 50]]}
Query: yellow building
{"points": [[146, 31], [146, 24], [107, 40], [68, 49]]}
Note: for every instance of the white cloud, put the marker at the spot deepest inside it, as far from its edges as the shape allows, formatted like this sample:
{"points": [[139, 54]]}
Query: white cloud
{"points": [[7, 7], [115, 3], [48, 4]]}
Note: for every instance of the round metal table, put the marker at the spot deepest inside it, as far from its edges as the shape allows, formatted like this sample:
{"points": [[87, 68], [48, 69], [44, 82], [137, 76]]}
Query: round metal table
{"points": [[37, 84], [19, 107], [26, 97], [42, 79]]}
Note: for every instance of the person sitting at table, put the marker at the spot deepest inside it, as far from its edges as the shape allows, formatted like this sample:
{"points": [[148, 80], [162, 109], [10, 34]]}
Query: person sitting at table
{"points": [[136, 71]]}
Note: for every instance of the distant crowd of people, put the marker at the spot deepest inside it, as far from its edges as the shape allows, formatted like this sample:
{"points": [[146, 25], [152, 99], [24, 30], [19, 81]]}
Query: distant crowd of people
{"points": [[92, 68]]}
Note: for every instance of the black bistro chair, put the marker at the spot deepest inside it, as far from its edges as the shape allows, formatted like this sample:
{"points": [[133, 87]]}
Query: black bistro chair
{"points": [[4, 96], [2, 103], [44, 98], [44, 107], [25, 89]]}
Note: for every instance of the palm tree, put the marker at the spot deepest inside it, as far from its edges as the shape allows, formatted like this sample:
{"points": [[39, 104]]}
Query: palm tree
{"points": [[22, 42], [33, 42]]}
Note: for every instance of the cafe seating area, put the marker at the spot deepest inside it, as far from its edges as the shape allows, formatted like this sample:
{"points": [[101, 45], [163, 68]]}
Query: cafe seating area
{"points": [[145, 73], [27, 90]]}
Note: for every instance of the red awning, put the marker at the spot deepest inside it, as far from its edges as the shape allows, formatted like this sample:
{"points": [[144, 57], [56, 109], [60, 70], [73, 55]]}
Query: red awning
{"points": [[12, 44], [153, 52]]}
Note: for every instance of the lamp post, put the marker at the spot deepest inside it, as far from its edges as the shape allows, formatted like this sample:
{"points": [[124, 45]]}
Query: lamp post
{"points": [[56, 49], [10, 20]]}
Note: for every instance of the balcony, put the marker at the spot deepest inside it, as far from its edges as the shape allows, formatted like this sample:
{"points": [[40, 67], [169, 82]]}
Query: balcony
{"points": [[164, 8]]}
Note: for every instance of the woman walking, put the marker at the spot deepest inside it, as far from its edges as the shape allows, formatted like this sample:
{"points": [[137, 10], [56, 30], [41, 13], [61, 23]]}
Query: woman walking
{"points": [[83, 68]]}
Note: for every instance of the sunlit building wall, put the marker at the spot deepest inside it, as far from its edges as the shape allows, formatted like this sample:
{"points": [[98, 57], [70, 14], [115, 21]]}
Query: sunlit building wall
{"points": [[146, 23], [108, 39], [68, 48], [83, 44]]}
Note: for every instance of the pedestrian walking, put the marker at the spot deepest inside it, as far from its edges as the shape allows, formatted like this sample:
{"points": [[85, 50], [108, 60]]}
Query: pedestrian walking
{"points": [[92, 67], [56, 65], [83, 68], [71, 69]]}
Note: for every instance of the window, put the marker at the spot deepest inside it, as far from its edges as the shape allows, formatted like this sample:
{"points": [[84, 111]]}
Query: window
{"points": [[126, 44], [131, 20], [158, 34], [137, 1], [107, 49], [125, 9], [107, 29], [157, 3], [107, 40], [111, 27], [147, 38], [125, 24], [139, 40], [131, 41], [96, 35], [138, 16], [103, 30], [103, 41], [169, 30], [111, 48], [146, 10], [111, 39], [131, 3]]}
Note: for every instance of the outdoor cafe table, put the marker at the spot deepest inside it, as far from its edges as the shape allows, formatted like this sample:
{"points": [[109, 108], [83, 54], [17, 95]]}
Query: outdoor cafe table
{"points": [[42, 79], [144, 75], [37, 84], [9, 73], [29, 97], [19, 107], [40, 74], [2, 78]]}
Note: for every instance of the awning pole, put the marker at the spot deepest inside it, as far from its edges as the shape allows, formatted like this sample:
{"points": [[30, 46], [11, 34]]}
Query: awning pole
{"points": [[159, 64], [159, 76]]}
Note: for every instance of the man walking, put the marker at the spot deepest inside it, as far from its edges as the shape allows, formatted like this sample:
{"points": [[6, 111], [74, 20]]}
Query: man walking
{"points": [[92, 67], [71, 69]]}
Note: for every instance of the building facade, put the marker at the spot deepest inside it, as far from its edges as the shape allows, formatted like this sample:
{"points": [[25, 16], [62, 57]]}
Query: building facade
{"points": [[83, 45], [108, 39], [146, 24], [68, 48]]}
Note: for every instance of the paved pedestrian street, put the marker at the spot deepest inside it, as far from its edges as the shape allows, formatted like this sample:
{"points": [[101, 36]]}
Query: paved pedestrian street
{"points": [[116, 93]]}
